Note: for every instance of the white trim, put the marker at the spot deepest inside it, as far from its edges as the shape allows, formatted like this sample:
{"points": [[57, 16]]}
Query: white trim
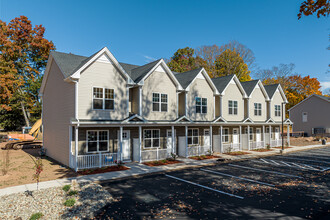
{"points": [[97, 141], [183, 117], [219, 118], [76, 75], [135, 116], [238, 83], [208, 79], [225, 135], [193, 136], [201, 106], [140, 100], [233, 107], [160, 102], [270, 120], [151, 138], [248, 119], [288, 121]]}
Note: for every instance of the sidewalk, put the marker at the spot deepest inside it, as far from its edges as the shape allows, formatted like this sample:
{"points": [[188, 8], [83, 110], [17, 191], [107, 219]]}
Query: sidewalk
{"points": [[137, 169]]}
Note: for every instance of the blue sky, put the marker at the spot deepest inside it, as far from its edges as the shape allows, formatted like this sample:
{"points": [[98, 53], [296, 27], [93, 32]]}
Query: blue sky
{"points": [[137, 31]]}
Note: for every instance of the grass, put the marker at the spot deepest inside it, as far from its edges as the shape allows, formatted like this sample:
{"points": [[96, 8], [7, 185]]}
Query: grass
{"points": [[70, 202], [35, 216], [66, 188], [73, 192]]}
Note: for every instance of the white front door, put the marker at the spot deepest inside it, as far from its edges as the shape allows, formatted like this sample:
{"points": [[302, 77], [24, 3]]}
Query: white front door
{"points": [[207, 138], [258, 134], [169, 141], [235, 136], [126, 146], [277, 133]]}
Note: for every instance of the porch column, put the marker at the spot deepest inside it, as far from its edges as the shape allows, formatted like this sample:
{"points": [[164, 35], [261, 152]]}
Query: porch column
{"points": [[248, 134], [140, 143], [76, 148], [211, 141], [263, 135], [221, 150], [140, 100], [288, 135], [173, 140], [70, 147], [270, 135], [186, 131], [240, 137], [186, 104], [121, 143]]}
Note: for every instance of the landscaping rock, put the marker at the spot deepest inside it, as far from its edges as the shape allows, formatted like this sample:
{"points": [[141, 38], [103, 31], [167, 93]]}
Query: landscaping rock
{"points": [[90, 198]]}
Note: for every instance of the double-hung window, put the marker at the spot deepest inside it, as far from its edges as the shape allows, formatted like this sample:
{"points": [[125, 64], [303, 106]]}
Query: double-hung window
{"points": [[151, 138], [257, 109], [97, 141], [159, 102], [103, 98], [277, 110], [193, 138], [201, 105], [225, 135], [232, 107], [251, 133]]}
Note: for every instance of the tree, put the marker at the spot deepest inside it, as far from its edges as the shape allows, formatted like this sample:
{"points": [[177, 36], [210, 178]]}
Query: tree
{"points": [[209, 55], [309, 7], [23, 56], [184, 60], [230, 62]]}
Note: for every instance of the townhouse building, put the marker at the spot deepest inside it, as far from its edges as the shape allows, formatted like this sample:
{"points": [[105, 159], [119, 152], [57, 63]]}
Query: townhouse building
{"points": [[97, 111]]}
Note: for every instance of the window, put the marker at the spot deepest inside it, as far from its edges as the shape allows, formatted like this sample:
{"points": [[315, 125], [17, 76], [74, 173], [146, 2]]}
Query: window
{"points": [[257, 109], [277, 110], [201, 105], [97, 141], [193, 138], [151, 138], [103, 98], [225, 135], [232, 107], [251, 133], [159, 102], [304, 117]]}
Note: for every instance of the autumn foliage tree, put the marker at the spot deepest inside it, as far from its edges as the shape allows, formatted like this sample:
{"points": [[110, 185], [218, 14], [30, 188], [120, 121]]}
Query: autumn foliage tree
{"points": [[309, 7], [23, 56]]}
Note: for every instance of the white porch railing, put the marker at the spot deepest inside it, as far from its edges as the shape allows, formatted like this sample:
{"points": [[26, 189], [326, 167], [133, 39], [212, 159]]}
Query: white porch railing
{"points": [[276, 143], [198, 150], [257, 145], [94, 160], [226, 147], [157, 154]]}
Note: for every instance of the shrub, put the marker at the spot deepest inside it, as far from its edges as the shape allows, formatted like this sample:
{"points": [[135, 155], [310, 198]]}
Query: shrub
{"points": [[66, 188], [36, 216], [73, 192], [164, 161], [70, 202], [173, 155], [268, 146]]}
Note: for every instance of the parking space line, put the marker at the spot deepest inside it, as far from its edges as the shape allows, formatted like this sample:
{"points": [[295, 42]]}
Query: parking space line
{"points": [[264, 160], [237, 177], [315, 157], [266, 171], [205, 187], [293, 165], [317, 161]]}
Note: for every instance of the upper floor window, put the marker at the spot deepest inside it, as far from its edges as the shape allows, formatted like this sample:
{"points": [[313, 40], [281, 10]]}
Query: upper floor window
{"points": [[201, 105], [151, 138], [159, 102], [193, 137], [97, 141], [232, 107], [304, 117], [257, 109], [103, 98], [277, 110]]}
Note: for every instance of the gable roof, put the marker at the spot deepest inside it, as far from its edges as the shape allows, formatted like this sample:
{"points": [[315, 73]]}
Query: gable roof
{"points": [[139, 72], [271, 89], [327, 99], [186, 78], [222, 82], [249, 86]]}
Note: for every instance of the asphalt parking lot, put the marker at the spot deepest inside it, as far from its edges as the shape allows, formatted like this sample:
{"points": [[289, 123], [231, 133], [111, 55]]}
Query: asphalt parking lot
{"points": [[293, 186]]}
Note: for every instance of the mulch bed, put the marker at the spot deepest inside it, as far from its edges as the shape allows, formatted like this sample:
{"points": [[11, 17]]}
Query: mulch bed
{"points": [[203, 157], [262, 150], [237, 153], [161, 163], [102, 170]]}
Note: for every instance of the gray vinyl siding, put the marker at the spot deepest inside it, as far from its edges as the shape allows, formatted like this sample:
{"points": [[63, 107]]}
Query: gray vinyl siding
{"points": [[258, 97], [232, 92], [105, 75], [58, 109], [159, 82], [317, 115]]}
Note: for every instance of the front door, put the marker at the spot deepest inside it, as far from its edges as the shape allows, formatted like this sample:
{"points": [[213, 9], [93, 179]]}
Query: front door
{"points": [[169, 141], [207, 138], [126, 146], [258, 135], [235, 136], [277, 133]]}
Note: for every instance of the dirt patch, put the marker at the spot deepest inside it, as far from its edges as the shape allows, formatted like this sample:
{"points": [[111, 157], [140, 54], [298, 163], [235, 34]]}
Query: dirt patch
{"points": [[281, 147], [102, 170], [303, 141], [262, 150], [161, 163], [237, 153], [20, 168], [204, 157]]}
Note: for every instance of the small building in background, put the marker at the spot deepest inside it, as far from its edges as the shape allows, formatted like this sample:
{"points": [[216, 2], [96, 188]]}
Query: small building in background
{"points": [[312, 116]]}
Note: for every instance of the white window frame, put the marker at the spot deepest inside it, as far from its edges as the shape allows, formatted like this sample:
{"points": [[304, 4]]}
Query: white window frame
{"points": [[224, 135], [160, 102], [151, 138], [103, 98], [251, 133], [97, 141], [303, 117], [193, 136], [201, 105], [257, 109], [233, 108], [277, 111]]}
